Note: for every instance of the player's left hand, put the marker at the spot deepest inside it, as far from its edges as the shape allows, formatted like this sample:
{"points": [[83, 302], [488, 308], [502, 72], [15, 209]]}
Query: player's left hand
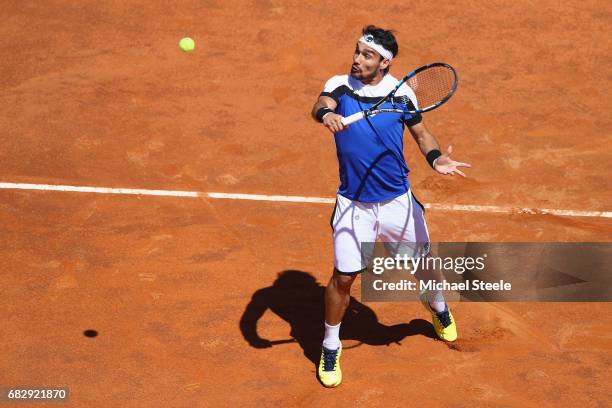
{"points": [[444, 164]]}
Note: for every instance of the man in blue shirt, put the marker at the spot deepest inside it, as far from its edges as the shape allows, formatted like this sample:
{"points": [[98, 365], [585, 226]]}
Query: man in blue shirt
{"points": [[374, 200]]}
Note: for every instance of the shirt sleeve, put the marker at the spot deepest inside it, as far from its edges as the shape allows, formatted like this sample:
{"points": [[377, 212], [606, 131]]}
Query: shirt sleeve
{"points": [[334, 88], [415, 118]]}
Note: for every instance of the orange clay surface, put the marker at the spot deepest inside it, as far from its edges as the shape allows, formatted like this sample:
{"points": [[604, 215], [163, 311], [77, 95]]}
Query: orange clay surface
{"points": [[180, 290]]}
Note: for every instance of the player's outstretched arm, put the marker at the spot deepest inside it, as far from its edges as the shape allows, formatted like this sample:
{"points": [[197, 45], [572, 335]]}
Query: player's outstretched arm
{"points": [[427, 143], [324, 111]]}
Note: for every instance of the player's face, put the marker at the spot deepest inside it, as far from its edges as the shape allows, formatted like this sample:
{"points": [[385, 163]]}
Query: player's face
{"points": [[367, 63]]}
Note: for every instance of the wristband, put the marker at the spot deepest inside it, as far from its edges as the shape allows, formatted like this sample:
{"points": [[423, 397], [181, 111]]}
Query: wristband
{"points": [[322, 112], [432, 156]]}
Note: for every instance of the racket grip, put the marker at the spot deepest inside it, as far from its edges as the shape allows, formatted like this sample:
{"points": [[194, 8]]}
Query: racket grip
{"points": [[352, 119]]}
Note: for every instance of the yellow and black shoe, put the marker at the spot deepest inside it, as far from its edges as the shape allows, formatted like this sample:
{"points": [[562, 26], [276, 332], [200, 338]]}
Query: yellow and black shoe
{"points": [[443, 322], [329, 371]]}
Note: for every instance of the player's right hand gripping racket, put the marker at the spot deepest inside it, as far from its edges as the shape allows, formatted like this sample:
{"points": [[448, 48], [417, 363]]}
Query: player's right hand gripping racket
{"points": [[433, 85]]}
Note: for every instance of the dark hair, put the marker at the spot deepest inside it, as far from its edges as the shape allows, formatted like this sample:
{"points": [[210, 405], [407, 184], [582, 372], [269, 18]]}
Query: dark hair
{"points": [[382, 37]]}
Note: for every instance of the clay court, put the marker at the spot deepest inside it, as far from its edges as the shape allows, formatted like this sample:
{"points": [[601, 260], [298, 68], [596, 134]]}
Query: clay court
{"points": [[182, 291]]}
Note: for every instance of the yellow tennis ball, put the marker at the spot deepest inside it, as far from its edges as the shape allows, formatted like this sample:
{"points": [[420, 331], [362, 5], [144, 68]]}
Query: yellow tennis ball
{"points": [[187, 44]]}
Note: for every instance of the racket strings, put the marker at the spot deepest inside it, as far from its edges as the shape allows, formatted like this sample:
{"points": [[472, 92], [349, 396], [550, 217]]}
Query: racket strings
{"points": [[432, 85]]}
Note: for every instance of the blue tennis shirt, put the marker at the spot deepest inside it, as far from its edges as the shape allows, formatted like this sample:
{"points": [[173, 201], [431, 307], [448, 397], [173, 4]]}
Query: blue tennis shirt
{"points": [[371, 151]]}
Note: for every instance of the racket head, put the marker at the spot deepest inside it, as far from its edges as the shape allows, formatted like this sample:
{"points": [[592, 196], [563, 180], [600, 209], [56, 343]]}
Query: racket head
{"points": [[433, 84]]}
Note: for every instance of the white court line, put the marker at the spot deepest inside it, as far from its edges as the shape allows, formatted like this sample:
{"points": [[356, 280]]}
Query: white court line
{"points": [[260, 197], [293, 199], [98, 190]]}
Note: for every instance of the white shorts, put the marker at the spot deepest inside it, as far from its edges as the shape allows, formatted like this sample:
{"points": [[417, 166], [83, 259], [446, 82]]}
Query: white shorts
{"points": [[399, 220]]}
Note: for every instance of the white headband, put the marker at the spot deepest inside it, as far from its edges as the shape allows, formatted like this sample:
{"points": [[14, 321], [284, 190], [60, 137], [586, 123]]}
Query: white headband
{"points": [[368, 40]]}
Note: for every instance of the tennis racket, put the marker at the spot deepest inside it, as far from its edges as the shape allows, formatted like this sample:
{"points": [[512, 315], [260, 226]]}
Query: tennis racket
{"points": [[433, 85]]}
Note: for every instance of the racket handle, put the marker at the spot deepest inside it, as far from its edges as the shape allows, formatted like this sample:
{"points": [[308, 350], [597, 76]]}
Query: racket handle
{"points": [[352, 119]]}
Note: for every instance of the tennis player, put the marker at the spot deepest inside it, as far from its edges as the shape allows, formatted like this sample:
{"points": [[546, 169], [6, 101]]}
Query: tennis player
{"points": [[374, 200]]}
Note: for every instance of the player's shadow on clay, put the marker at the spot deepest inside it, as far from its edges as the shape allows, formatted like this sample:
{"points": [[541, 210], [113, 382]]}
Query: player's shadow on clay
{"points": [[297, 298]]}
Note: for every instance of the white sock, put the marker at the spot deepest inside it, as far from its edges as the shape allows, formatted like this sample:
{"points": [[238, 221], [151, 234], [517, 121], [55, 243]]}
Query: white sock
{"points": [[436, 301], [332, 336]]}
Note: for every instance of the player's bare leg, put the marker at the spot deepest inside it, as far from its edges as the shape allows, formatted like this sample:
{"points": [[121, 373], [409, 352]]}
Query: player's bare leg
{"points": [[337, 298], [436, 298]]}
